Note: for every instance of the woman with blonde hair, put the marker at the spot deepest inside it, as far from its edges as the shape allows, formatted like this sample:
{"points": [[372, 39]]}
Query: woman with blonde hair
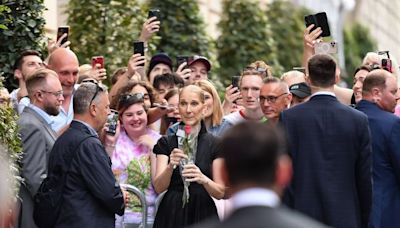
{"points": [[190, 174], [213, 113]]}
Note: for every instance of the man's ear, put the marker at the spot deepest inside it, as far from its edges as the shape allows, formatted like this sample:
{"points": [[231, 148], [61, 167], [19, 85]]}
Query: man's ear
{"points": [[376, 94], [283, 171], [93, 109], [289, 98], [18, 74]]}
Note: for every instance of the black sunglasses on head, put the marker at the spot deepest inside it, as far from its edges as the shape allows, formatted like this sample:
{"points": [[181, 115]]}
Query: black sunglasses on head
{"points": [[132, 97], [98, 88]]}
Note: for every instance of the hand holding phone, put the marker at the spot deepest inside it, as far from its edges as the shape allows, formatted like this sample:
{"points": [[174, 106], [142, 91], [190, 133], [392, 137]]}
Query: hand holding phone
{"points": [[61, 31], [235, 81], [154, 13], [182, 59], [138, 48], [318, 20], [98, 60]]}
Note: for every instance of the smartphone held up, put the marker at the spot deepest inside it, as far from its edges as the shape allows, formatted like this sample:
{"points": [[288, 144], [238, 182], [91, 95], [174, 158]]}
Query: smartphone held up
{"points": [[112, 122], [98, 60], [138, 48], [61, 31], [318, 20], [154, 13]]}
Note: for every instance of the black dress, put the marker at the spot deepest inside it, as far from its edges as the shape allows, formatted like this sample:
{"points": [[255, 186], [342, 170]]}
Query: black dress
{"points": [[200, 206]]}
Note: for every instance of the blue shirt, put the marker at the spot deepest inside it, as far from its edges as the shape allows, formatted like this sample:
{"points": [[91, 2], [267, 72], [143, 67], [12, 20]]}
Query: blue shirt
{"points": [[42, 113]]}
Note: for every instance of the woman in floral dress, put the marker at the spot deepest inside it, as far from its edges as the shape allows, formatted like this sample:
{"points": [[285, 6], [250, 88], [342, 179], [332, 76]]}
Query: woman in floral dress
{"points": [[132, 156]]}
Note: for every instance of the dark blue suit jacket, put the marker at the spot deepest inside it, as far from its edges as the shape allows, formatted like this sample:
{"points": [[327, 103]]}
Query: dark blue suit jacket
{"points": [[91, 195], [385, 131], [330, 146]]}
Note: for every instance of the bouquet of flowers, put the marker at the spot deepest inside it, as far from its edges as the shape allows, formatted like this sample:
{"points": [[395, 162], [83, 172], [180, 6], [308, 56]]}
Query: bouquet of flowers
{"points": [[187, 143]]}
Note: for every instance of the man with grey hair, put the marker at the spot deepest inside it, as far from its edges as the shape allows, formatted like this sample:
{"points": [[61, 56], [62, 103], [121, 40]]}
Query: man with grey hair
{"points": [[274, 98], [91, 195], [46, 96]]}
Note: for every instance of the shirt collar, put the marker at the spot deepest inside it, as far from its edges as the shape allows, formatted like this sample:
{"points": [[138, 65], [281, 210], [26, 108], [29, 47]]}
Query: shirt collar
{"points": [[42, 113], [323, 93], [255, 197], [91, 129]]}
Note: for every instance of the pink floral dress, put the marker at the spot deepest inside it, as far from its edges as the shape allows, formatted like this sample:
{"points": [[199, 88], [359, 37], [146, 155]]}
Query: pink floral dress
{"points": [[131, 165]]}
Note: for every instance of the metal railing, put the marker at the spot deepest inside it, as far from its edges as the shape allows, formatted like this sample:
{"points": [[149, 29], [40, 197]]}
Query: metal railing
{"points": [[142, 198]]}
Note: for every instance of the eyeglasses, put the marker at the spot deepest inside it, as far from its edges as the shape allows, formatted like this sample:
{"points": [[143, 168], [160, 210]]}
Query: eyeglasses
{"points": [[270, 99], [98, 88], [57, 94], [131, 98]]}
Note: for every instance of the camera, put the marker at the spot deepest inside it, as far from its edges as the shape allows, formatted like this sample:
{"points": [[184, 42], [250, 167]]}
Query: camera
{"points": [[326, 48]]}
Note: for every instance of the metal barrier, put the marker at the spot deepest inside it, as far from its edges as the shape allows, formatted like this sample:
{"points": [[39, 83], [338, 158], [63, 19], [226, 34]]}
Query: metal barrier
{"points": [[142, 198]]}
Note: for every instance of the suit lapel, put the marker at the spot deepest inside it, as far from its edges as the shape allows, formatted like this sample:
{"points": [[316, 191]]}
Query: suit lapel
{"points": [[42, 121]]}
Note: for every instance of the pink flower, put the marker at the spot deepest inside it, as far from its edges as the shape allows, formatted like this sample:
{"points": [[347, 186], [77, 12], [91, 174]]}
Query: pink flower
{"points": [[188, 129]]}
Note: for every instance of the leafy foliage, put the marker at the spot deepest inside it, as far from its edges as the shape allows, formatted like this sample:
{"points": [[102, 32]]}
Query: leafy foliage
{"points": [[26, 27], [9, 137], [106, 27], [357, 42], [245, 37], [182, 29], [3, 18], [287, 26]]}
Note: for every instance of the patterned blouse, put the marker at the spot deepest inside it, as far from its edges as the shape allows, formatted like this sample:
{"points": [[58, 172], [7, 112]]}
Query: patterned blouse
{"points": [[131, 165]]}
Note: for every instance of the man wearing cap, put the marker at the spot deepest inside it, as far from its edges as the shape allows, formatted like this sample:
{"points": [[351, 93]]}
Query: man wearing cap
{"points": [[200, 66], [160, 63], [274, 98], [301, 92]]}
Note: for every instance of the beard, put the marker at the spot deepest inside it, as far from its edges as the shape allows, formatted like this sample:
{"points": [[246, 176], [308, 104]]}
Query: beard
{"points": [[52, 110]]}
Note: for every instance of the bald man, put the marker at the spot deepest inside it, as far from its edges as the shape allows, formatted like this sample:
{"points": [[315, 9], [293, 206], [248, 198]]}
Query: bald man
{"points": [[65, 63]]}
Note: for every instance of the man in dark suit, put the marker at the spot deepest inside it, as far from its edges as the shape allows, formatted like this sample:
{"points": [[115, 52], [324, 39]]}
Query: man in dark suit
{"points": [[91, 195], [256, 169], [45, 93], [330, 146], [379, 96]]}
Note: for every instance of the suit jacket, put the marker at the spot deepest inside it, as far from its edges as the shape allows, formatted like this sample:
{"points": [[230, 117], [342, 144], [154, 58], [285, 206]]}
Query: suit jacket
{"points": [[262, 217], [91, 195], [330, 146], [385, 131], [37, 140]]}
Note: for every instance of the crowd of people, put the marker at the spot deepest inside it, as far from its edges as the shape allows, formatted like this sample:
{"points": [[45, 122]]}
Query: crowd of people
{"points": [[328, 153]]}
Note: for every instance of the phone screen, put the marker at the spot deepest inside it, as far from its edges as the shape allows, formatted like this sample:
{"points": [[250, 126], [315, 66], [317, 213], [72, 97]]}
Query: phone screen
{"points": [[138, 48], [112, 121], [60, 31]]}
